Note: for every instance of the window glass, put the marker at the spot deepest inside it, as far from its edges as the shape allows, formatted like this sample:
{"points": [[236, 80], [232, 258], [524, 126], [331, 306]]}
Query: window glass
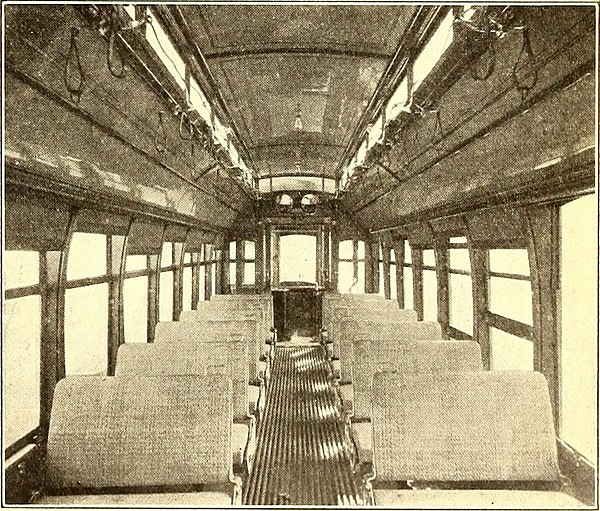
{"points": [[130, 10], [199, 102], [361, 249], [510, 352], [166, 296], [86, 335], [297, 258], [345, 251], [458, 239], [345, 273], [187, 258], [87, 256], [392, 255], [202, 289], [407, 252], [511, 298], [135, 262], [433, 50], [249, 273], [214, 278], [393, 284], [397, 102], [135, 309], [408, 288], [509, 260], [21, 363], [164, 48], [381, 280], [459, 259], [578, 344], [20, 268], [232, 250], [429, 295], [461, 303], [429, 257], [232, 273], [249, 250], [359, 285], [166, 259], [187, 289]]}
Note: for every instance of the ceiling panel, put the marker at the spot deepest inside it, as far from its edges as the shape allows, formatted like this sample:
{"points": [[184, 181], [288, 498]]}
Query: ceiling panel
{"points": [[359, 28], [297, 79]]}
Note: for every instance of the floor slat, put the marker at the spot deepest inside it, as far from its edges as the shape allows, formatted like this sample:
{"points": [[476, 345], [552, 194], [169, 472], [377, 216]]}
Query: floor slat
{"points": [[302, 455]]}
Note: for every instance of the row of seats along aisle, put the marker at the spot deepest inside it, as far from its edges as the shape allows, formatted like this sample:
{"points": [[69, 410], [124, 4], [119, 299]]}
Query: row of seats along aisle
{"points": [[431, 428], [176, 425]]}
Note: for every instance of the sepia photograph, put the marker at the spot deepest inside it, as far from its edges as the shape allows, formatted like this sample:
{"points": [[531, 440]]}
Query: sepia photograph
{"points": [[304, 254]]}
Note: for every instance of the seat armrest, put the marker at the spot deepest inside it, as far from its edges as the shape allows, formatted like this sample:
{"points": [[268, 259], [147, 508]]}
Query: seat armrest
{"points": [[363, 440], [347, 396], [336, 369], [239, 443]]}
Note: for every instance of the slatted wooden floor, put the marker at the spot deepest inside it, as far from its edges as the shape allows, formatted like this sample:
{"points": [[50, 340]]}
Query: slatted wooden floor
{"points": [[303, 454]]}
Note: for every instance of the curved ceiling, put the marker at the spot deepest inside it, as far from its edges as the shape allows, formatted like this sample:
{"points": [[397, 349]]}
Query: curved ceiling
{"points": [[297, 79]]}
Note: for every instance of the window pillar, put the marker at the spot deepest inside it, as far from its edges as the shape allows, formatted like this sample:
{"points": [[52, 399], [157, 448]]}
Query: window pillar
{"points": [[240, 252], [178, 261], [116, 248], [417, 271]]}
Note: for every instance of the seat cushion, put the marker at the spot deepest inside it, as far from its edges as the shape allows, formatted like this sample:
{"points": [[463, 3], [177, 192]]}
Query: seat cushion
{"points": [[475, 499], [195, 499]]}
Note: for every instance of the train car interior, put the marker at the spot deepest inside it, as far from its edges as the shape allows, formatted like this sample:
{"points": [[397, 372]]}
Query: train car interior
{"points": [[300, 254]]}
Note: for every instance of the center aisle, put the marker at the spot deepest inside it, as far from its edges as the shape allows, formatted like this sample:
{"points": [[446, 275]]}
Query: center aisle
{"points": [[303, 454]]}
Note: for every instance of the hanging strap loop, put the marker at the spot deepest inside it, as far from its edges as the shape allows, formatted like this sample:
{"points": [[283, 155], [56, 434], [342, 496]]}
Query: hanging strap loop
{"points": [[74, 77], [114, 30], [160, 136]]}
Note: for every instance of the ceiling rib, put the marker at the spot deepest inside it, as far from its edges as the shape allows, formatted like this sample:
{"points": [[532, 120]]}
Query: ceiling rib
{"points": [[242, 52]]}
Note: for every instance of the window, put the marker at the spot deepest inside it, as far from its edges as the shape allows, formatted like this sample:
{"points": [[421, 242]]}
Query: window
{"points": [[21, 361], [166, 296], [199, 102], [305, 183], [232, 265], [433, 50], [510, 298], [20, 268], [408, 277], [460, 283], [249, 262], [510, 352], [381, 272], [345, 267], [86, 333], [165, 50], [578, 351], [429, 286], [87, 256], [397, 102], [135, 309], [187, 288], [166, 258], [135, 262], [393, 283]]}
